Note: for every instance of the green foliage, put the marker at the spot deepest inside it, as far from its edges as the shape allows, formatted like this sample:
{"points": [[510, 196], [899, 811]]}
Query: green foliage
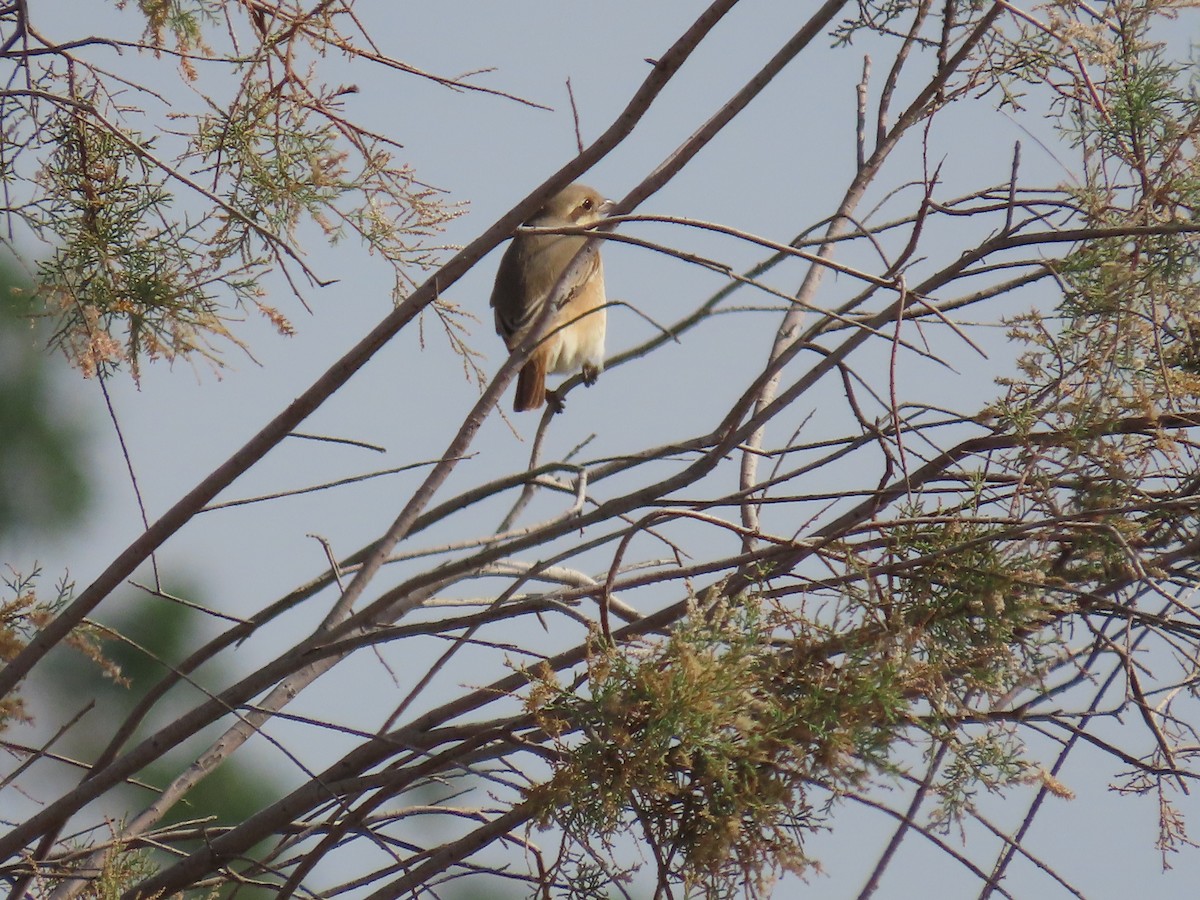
{"points": [[41, 478], [23, 611], [1131, 303], [182, 19], [160, 242], [42, 481], [991, 760], [121, 869], [963, 599], [119, 265], [710, 742], [713, 740]]}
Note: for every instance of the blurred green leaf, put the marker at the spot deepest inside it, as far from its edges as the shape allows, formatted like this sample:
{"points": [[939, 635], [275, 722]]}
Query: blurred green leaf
{"points": [[42, 484]]}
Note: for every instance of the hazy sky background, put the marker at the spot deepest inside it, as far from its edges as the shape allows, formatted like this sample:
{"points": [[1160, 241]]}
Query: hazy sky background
{"points": [[780, 168]]}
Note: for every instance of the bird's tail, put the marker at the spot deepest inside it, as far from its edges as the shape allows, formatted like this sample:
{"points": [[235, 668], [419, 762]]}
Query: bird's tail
{"points": [[531, 384]]}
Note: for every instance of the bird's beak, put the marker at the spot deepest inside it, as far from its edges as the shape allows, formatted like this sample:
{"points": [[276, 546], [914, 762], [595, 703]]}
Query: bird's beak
{"points": [[606, 207]]}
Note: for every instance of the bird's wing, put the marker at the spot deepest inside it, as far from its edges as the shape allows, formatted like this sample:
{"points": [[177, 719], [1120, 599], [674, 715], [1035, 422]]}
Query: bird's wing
{"points": [[528, 272]]}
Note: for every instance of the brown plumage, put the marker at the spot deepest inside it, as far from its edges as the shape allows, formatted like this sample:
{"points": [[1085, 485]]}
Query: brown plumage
{"points": [[530, 268]]}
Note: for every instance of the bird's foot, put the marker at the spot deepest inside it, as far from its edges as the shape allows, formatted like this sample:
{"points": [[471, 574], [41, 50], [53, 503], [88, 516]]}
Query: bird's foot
{"points": [[590, 374], [555, 402]]}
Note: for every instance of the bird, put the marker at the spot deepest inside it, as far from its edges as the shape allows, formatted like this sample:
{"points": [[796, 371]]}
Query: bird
{"points": [[528, 272]]}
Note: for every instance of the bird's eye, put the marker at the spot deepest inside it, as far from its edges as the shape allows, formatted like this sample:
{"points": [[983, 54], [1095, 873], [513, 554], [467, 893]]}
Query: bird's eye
{"points": [[588, 203]]}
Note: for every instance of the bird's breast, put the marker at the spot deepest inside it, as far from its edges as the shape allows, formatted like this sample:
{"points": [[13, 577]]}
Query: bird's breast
{"points": [[580, 344]]}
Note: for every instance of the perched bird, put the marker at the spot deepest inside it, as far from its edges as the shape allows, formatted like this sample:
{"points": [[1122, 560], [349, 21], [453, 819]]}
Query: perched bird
{"points": [[530, 268]]}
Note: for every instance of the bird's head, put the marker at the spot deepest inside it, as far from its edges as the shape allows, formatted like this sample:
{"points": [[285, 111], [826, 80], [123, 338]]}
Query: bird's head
{"points": [[576, 204]]}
